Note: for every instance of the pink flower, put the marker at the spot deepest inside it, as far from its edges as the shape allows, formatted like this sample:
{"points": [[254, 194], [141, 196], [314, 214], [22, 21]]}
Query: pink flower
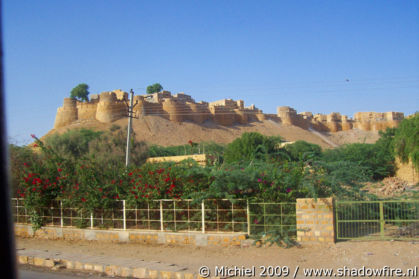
{"points": [[288, 190]]}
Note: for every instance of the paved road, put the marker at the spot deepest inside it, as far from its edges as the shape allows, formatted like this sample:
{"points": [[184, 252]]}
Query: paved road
{"points": [[26, 272]]}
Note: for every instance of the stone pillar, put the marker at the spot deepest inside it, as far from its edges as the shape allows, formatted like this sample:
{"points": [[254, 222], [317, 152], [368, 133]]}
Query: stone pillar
{"points": [[315, 221]]}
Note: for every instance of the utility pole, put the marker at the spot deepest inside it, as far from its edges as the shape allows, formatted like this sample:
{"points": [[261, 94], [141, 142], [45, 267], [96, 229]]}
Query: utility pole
{"points": [[130, 116]]}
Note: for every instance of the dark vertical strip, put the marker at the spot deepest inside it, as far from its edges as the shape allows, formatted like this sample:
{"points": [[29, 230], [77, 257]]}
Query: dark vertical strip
{"points": [[8, 256]]}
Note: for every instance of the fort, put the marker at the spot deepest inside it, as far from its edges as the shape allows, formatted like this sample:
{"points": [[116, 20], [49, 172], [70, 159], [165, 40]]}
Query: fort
{"points": [[108, 107]]}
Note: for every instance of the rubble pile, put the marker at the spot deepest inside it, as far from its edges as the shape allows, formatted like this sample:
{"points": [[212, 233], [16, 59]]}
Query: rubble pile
{"points": [[392, 186]]}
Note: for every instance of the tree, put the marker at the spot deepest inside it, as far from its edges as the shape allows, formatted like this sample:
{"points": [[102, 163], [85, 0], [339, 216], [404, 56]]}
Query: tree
{"points": [[107, 149], [302, 150], [250, 146], [375, 158], [406, 140], [80, 92], [72, 144], [154, 88]]}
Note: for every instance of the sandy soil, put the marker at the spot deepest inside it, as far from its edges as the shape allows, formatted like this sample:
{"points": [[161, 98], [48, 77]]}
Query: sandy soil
{"points": [[352, 254], [353, 136]]}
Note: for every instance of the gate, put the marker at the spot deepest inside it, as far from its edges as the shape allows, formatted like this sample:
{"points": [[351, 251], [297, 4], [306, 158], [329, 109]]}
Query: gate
{"points": [[377, 220]]}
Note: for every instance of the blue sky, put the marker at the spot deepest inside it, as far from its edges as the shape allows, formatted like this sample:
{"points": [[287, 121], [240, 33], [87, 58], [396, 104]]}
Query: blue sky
{"points": [[268, 53]]}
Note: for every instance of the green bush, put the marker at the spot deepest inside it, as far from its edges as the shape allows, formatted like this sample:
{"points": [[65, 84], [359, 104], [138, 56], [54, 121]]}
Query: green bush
{"points": [[249, 147], [406, 140], [302, 150], [106, 148], [72, 144], [20, 156], [374, 158]]}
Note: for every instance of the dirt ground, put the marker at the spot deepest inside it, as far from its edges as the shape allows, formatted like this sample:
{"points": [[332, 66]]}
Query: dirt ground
{"points": [[352, 254]]}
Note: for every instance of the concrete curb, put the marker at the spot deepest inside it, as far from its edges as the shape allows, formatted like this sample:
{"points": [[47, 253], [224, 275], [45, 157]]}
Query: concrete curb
{"points": [[110, 270]]}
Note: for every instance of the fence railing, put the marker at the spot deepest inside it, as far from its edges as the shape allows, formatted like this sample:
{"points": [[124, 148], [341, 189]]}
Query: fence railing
{"points": [[265, 217], [170, 215], [354, 219], [377, 219]]}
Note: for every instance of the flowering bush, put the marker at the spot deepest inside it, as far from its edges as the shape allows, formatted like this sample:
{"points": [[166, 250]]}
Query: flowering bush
{"points": [[88, 184]]}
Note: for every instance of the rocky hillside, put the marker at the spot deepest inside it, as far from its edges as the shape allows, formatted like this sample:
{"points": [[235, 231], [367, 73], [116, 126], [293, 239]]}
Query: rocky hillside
{"points": [[158, 130]]}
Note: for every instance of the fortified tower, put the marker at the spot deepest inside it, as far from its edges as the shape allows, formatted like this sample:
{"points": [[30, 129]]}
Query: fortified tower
{"points": [[66, 114], [110, 108]]}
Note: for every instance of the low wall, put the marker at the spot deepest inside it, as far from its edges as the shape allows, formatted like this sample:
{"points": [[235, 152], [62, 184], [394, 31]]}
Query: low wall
{"points": [[315, 223], [199, 158], [134, 236]]}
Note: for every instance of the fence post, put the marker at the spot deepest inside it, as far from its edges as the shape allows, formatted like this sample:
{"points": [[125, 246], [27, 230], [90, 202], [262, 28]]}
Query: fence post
{"points": [[52, 213], [26, 216], [17, 210], [264, 218], [91, 220], [61, 214], [336, 204], [232, 217], [203, 216], [161, 215], [381, 220], [174, 213], [248, 217], [124, 216]]}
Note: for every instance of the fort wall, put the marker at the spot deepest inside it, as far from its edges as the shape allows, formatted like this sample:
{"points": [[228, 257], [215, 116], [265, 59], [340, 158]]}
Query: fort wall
{"points": [[107, 107], [199, 112], [177, 111], [86, 110], [66, 114]]}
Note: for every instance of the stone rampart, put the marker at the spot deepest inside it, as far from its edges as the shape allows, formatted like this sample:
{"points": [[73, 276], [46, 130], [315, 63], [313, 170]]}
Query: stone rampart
{"points": [[66, 114], [110, 108], [86, 110], [334, 122], [199, 112], [107, 107], [177, 111], [222, 115]]}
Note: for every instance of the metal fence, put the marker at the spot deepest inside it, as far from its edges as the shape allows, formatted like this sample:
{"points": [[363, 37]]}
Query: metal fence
{"points": [[266, 217], [170, 215], [377, 219]]}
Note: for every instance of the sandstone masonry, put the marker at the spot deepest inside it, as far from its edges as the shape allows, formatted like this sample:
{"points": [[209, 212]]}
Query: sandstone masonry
{"points": [[108, 107]]}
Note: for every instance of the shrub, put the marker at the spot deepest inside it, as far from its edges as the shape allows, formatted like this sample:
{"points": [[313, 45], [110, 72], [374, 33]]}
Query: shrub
{"points": [[20, 157], [72, 144], [374, 158], [302, 150], [406, 140], [249, 147]]}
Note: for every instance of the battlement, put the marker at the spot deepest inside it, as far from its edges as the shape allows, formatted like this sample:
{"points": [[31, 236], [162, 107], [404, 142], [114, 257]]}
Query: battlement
{"points": [[334, 122], [110, 106]]}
